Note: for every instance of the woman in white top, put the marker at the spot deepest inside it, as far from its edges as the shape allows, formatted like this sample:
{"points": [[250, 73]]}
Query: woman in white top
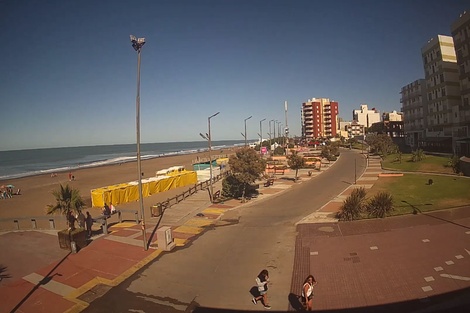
{"points": [[307, 292], [262, 281]]}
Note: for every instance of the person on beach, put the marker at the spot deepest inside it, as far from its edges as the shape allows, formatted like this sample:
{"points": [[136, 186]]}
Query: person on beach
{"points": [[88, 224], [307, 292], [262, 281]]}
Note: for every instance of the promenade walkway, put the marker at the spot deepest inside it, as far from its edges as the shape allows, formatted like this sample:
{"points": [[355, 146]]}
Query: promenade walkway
{"points": [[366, 263]]}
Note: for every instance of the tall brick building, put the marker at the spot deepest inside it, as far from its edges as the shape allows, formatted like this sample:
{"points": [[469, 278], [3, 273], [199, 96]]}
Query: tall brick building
{"points": [[319, 119]]}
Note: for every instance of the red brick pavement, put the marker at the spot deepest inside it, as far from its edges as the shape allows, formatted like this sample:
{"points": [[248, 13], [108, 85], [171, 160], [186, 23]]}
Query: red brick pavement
{"points": [[388, 264]]}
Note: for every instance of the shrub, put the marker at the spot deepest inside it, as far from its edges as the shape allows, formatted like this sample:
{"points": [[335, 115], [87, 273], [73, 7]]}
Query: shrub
{"points": [[353, 206], [418, 155], [232, 187], [454, 162], [279, 151], [380, 205]]}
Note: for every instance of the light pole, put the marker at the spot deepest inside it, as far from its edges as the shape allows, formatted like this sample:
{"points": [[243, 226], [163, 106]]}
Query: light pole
{"points": [[270, 133], [209, 139], [286, 131], [245, 127], [137, 44], [261, 134]]}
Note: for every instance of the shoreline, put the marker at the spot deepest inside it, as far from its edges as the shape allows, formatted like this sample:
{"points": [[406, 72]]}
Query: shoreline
{"points": [[36, 191]]}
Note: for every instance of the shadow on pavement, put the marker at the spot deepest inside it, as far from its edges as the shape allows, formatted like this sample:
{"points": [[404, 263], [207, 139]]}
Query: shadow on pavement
{"points": [[457, 301], [43, 281], [3, 273]]}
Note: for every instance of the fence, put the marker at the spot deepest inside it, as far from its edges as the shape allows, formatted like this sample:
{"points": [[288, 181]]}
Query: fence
{"points": [[159, 208], [60, 222]]}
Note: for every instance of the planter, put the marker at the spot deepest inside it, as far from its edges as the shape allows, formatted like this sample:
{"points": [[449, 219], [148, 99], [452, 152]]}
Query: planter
{"points": [[77, 235]]}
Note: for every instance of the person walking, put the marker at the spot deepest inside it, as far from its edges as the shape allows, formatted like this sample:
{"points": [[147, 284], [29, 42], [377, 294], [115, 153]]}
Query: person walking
{"points": [[307, 292], [262, 281], [81, 219], [88, 224]]}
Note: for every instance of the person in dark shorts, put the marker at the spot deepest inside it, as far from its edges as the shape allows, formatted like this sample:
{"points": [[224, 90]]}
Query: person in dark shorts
{"points": [[262, 281], [307, 292]]}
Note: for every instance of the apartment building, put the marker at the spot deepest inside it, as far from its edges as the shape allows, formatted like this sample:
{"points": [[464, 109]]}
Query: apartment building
{"points": [[355, 129], [414, 108], [460, 30], [366, 117], [393, 116], [443, 93], [319, 118]]}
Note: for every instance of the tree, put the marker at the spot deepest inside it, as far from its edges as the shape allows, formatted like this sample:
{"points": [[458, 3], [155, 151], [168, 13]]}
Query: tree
{"points": [[353, 206], [279, 151], [380, 205], [68, 201], [417, 155], [381, 144], [454, 162], [246, 167], [295, 162]]}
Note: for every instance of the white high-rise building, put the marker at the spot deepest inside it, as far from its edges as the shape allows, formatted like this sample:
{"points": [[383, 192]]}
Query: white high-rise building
{"points": [[366, 117]]}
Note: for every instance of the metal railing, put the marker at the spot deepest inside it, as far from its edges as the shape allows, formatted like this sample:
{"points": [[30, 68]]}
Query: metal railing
{"points": [[160, 207]]}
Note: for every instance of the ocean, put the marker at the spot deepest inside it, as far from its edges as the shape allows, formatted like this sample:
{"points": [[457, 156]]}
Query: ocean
{"points": [[23, 163]]}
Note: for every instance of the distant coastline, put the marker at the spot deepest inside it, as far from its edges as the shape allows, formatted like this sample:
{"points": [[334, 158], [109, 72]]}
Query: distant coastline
{"points": [[32, 162]]}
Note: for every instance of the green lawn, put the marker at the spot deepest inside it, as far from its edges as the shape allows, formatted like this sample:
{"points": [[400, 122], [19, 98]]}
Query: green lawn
{"points": [[413, 190], [431, 164]]}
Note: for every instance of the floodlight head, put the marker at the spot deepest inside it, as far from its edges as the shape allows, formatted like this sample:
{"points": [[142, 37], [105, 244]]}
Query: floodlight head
{"points": [[137, 43]]}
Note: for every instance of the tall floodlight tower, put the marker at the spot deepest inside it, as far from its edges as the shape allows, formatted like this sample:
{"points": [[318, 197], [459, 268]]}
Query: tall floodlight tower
{"points": [[286, 133]]}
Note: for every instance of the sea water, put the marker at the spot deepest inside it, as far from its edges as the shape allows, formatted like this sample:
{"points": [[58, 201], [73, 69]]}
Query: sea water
{"points": [[22, 163]]}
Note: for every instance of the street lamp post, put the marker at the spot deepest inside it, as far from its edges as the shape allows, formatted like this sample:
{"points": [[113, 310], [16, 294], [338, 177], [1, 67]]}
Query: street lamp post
{"points": [[245, 127], [274, 127], [270, 133], [209, 139], [137, 44], [261, 134]]}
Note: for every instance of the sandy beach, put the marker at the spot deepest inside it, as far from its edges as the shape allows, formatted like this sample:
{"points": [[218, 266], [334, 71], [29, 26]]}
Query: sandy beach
{"points": [[36, 191]]}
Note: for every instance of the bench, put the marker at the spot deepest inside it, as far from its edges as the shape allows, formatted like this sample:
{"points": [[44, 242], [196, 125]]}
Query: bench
{"points": [[279, 171], [269, 182]]}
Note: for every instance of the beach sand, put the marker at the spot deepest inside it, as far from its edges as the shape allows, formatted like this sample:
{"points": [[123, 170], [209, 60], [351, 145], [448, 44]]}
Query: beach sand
{"points": [[36, 191]]}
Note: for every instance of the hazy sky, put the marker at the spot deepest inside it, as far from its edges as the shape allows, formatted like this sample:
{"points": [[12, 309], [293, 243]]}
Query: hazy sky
{"points": [[68, 70]]}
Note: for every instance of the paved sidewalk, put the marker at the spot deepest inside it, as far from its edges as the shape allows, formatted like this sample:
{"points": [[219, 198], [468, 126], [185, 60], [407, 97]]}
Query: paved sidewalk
{"points": [[69, 282], [383, 265]]}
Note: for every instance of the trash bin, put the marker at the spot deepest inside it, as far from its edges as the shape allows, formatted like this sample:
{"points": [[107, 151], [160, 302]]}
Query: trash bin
{"points": [[156, 210]]}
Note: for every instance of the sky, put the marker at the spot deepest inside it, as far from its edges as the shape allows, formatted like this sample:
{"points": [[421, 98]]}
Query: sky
{"points": [[68, 72]]}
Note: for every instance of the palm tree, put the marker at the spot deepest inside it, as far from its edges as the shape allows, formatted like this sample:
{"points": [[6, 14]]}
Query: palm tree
{"points": [[353, 206], [68, 201], [380, 205]]}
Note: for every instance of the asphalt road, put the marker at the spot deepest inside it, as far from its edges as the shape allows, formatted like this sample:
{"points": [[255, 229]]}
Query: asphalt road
{"points": [[218, 269]]}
